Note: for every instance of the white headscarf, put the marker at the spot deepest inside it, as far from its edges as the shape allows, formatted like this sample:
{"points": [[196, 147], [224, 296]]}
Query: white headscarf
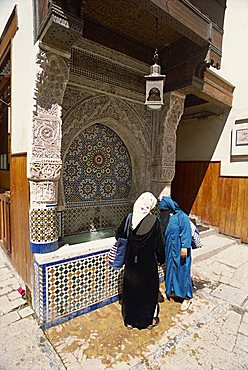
{"points": [[142, 207]]}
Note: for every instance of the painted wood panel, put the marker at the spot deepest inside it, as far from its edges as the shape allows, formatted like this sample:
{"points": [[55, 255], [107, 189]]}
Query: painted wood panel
{"points": [[19, 221], [217, 200]]}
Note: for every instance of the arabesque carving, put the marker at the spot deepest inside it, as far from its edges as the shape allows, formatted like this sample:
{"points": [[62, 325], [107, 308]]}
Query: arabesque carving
{"points": [[164, 142], [43, 192], [52, 76], [132, 117], [45, 156], [45, 170]]}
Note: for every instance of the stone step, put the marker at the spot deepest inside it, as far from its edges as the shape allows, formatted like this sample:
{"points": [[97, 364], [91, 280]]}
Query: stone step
{"points": [[211, 245], [208, 232]]}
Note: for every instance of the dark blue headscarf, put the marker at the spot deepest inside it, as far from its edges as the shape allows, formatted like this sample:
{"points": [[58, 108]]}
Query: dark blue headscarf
{"points": [[168, 203]]}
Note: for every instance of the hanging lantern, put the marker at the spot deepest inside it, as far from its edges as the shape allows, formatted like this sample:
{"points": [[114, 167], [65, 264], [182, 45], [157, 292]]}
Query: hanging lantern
{"points": [[154, 86]]}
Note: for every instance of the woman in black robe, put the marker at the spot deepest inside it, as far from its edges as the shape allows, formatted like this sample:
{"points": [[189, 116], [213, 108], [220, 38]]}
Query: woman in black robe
{"points": [[145, 249]]}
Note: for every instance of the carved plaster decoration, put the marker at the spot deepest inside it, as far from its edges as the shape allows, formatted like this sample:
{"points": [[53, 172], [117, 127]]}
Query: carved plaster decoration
{"points": [[46, 140], [43, 192], [45, 170], [164, 142], [101, 108], [87, 64], [74, 97], [117, 58], [52, 76], [169, 138]]}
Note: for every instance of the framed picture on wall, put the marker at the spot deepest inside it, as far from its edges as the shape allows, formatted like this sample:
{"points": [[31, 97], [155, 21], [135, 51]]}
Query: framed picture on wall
{"points": [[240, 138]]}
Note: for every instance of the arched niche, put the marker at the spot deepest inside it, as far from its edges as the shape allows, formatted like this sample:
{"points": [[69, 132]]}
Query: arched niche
{"points": [[129, 130]]}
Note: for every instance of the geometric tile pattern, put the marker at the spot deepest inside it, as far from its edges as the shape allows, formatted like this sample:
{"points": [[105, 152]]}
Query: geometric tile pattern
{"points": [[80, 219], [43, 225], [68, 288], [76, 284], [97, 168]]}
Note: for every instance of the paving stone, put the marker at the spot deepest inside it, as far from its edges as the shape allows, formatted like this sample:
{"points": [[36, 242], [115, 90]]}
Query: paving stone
{"points": [[3, 271], [11, 281], [226, 342], [9, 319], [14, 295], [242, 342], [245, 317], [25, 312], [243, 329], [233, 256], [8, 275], [231, 323], [11, 305], [230, 294], [6, 290], [4, 302]]}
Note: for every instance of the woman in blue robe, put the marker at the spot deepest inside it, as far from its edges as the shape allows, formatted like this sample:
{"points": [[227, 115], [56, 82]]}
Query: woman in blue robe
{"points": [[177, 234]]}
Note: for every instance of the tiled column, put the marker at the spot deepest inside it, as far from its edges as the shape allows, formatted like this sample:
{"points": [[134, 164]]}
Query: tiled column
{"points": [[164, 143], [44, 162]]}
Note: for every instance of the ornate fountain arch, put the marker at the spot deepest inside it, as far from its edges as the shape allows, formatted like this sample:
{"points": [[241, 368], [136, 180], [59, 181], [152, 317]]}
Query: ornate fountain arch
{"points": [[121, 117]]}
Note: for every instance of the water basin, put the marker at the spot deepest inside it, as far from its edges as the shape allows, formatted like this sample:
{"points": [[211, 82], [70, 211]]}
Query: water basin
{"points": [[89, 236]]}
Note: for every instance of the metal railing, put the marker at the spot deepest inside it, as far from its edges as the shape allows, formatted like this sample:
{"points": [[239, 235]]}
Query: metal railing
{"points": [[5, 221]]}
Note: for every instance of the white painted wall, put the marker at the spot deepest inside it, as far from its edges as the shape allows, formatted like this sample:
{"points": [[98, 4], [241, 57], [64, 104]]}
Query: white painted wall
{"points": [[197, 140], [233, 69], [23, 64]]}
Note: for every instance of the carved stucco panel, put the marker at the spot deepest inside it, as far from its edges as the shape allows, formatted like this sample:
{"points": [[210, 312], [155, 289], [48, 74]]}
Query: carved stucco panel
{"points": [[103, 107], [164, 139], [43, 192], [46, 140], [172, 119], [51, 78], [45, 170]]}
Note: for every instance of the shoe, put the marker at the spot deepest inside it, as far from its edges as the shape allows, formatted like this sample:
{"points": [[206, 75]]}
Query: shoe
{"points": [[155, 322], [186, 304], [129, 327]]}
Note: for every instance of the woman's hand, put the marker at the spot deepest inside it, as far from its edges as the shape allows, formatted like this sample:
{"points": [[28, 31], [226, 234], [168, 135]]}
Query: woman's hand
{"points": [[184, 252]]}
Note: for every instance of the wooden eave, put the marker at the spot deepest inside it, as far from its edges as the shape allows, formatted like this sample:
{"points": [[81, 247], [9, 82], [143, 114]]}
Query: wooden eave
{"points": [[217, 88], [190, 22], [8, 33]]}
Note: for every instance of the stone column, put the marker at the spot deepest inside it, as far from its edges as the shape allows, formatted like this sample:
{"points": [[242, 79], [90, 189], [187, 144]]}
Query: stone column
{"points": [[44, 161], [165, 125]]}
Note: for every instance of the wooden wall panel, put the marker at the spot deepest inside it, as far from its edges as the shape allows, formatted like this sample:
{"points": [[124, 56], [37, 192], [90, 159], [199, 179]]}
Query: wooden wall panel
{"points": [[4, 180], [218, 201], [19, 220]]}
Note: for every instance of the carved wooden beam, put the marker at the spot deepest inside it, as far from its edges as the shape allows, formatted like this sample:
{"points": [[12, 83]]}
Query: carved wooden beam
{"points": [[59, 28]]}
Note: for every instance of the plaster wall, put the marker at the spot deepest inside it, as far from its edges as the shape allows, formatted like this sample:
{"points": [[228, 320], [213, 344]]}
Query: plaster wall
{"points": [[210, 139], [233, 69], [23, 72], [197, 139]]}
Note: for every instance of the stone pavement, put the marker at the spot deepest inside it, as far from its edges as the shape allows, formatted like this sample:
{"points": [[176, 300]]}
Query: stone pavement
{"points": [[23, 344], [213, 334]]}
